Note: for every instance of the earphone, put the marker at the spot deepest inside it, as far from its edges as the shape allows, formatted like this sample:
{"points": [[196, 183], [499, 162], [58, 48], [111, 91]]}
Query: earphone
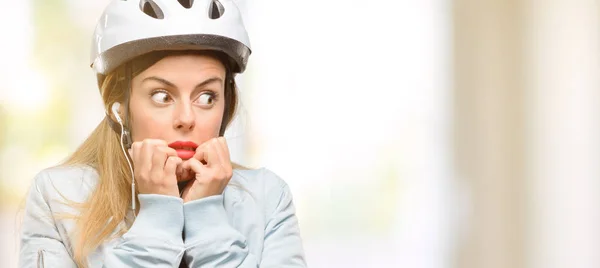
{"points": [[115, 109], [124, 134]]}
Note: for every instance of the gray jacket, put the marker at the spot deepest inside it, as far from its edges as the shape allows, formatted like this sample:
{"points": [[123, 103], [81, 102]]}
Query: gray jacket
{"points": [[249, 226]]}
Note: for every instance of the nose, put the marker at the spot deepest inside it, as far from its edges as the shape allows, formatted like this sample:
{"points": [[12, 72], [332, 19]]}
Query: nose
{"points": [[185, 118]]}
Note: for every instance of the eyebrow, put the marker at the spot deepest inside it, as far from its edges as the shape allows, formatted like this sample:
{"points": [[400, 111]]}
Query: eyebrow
{"points": [[169, 84]]}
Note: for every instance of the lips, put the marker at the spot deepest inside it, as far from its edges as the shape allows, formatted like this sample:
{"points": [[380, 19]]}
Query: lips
{"points": [[185, 149]]}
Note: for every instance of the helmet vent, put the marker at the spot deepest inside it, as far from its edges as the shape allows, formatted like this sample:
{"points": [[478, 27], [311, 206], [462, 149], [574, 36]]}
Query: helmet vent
{"points": [[215, 10], [186, 3], [150, 8]]}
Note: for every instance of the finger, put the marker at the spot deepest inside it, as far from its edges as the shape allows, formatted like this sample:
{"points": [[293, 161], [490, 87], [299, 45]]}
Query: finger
{"points": [[225, 152], [159, 157], [225, 163], [179, 171], [226, 159], [200, 153], [210, 156], [184, 172], [147, 149], [225, 147], [219, 154], [136, 147], [169, 151], [171, 166], [205, 154], [184, 175], [198, 168], [146, 157]]}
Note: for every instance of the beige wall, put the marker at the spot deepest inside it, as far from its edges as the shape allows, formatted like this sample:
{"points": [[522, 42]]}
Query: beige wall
{"points": [[563, 48], [527, 132], [489, 134]]}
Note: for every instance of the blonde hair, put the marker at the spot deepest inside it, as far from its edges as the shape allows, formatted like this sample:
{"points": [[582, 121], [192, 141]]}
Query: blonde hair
{"points": [[108, 204]]}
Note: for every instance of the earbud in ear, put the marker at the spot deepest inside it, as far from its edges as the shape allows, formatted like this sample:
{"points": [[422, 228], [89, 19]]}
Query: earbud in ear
{"points": [[115, 110]]}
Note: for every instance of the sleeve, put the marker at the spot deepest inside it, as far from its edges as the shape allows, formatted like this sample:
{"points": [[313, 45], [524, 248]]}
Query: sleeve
{"points": [[41, 244], [212, 242], [154, 240], [283, 244]]}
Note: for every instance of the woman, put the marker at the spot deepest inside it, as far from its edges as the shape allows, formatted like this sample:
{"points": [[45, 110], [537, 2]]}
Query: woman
{"points": [[153, 185]]}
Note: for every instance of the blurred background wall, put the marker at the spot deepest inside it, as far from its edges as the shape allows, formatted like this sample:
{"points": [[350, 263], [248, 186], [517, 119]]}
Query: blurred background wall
{"points": [[431, 133], [527, 132]]}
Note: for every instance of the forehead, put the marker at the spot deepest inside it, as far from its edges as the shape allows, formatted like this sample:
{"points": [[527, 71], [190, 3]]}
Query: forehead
{"points": [[196, 65]]}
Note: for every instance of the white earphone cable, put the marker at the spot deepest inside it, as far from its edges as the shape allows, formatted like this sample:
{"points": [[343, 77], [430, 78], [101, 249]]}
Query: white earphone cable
{"points": [[130, 169]]}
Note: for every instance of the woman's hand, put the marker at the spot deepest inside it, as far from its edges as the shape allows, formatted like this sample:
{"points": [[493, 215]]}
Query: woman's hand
{"points": [[155, 165], [212, 167]]}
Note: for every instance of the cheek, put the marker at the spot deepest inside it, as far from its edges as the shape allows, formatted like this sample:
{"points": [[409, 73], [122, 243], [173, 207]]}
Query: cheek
{"points": [[149, 126], [147, 123], [208, 123]]}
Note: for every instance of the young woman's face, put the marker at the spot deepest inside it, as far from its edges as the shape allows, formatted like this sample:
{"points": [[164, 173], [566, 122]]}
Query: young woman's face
{"points": [[179, 98]]}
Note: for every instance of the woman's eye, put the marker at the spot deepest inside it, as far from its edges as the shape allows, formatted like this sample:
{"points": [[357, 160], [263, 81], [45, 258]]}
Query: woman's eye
{"points": [[206, 99], [161, 97]]}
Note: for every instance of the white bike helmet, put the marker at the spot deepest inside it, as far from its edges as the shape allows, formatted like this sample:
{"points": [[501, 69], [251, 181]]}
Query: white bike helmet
{"points": [[130, 28]]}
